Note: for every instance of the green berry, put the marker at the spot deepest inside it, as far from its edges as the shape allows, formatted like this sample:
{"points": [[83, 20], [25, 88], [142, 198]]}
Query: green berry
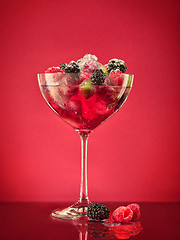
{"points": [[87, 89]]}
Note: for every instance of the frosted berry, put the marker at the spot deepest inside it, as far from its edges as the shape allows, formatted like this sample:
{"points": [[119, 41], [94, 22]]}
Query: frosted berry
{"points": [[116, 77], [54, 70], [98, 77], [72, 67], [136, 210], [122, 214], [83, 77], [88, 63], [63, 65], [114, 64]]}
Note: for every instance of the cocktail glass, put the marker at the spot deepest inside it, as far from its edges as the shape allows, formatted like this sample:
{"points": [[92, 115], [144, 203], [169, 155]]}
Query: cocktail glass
{"points": [[84, 108]]}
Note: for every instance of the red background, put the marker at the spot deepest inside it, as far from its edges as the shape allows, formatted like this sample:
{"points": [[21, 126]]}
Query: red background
{"points": [[134, 156]]}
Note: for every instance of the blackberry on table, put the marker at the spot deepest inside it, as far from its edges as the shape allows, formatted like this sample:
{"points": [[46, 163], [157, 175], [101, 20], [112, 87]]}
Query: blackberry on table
{"points": [[114, 64], [98, 77], [98, 211]]}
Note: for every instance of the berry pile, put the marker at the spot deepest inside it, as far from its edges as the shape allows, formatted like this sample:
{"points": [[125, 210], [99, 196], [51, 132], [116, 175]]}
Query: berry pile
{"points": [[88, 69], [121, 214]]}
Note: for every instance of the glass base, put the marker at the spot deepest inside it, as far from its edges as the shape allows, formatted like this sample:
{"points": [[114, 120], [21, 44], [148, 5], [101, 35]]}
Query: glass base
{"points": [[77, 211]]}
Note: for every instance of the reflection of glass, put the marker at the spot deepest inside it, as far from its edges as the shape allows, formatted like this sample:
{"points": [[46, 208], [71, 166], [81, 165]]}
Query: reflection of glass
{"points": [[84, 108], [82, 227]]}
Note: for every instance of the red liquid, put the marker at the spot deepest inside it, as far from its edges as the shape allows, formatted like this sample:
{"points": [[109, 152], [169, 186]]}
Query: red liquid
{"points": [[84, 113]]}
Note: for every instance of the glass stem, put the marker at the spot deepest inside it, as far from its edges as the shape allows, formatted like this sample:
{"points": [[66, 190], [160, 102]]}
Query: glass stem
{"points": [[84, 187]]}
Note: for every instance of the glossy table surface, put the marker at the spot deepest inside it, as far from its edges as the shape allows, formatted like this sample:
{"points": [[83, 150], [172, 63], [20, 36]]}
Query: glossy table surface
{"points": [[34, 221]]}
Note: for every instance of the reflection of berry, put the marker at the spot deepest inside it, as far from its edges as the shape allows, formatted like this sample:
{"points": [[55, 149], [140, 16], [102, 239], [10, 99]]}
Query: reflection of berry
{"points": [[97, 230], [136, 210], [98, 77], [73, 67], [126, 230], [122, 214], [114, 64], [54, 70], [98, 211]]}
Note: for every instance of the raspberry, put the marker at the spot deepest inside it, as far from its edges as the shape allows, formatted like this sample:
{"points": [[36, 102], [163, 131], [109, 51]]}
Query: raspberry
{"points": [[98, 77], [122, 214], [54, 70], [136, 210], [114, 64], [116, 77], [84, 76]]}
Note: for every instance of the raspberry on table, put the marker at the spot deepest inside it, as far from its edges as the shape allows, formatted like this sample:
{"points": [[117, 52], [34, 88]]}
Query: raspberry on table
{"points": [[54, 70], [136, 210], [98, 77], [122, 214], [98, 211]]}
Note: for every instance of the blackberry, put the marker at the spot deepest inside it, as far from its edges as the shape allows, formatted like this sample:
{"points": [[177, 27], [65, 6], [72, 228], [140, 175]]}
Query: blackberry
{"points": [[114, 64], [63, 66], [98, 77], [98, 211], [73, 67]]}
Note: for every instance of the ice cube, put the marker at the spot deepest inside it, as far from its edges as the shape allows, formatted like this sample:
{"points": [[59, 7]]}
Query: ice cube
{"points": [[59, 94], [89, 63], [53, 78], [100, 107], [88, 57], [75, 106]]}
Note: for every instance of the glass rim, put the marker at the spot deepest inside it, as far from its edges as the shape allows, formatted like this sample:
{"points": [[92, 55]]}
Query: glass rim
{"points": [[58, 73], [53, 81]]}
